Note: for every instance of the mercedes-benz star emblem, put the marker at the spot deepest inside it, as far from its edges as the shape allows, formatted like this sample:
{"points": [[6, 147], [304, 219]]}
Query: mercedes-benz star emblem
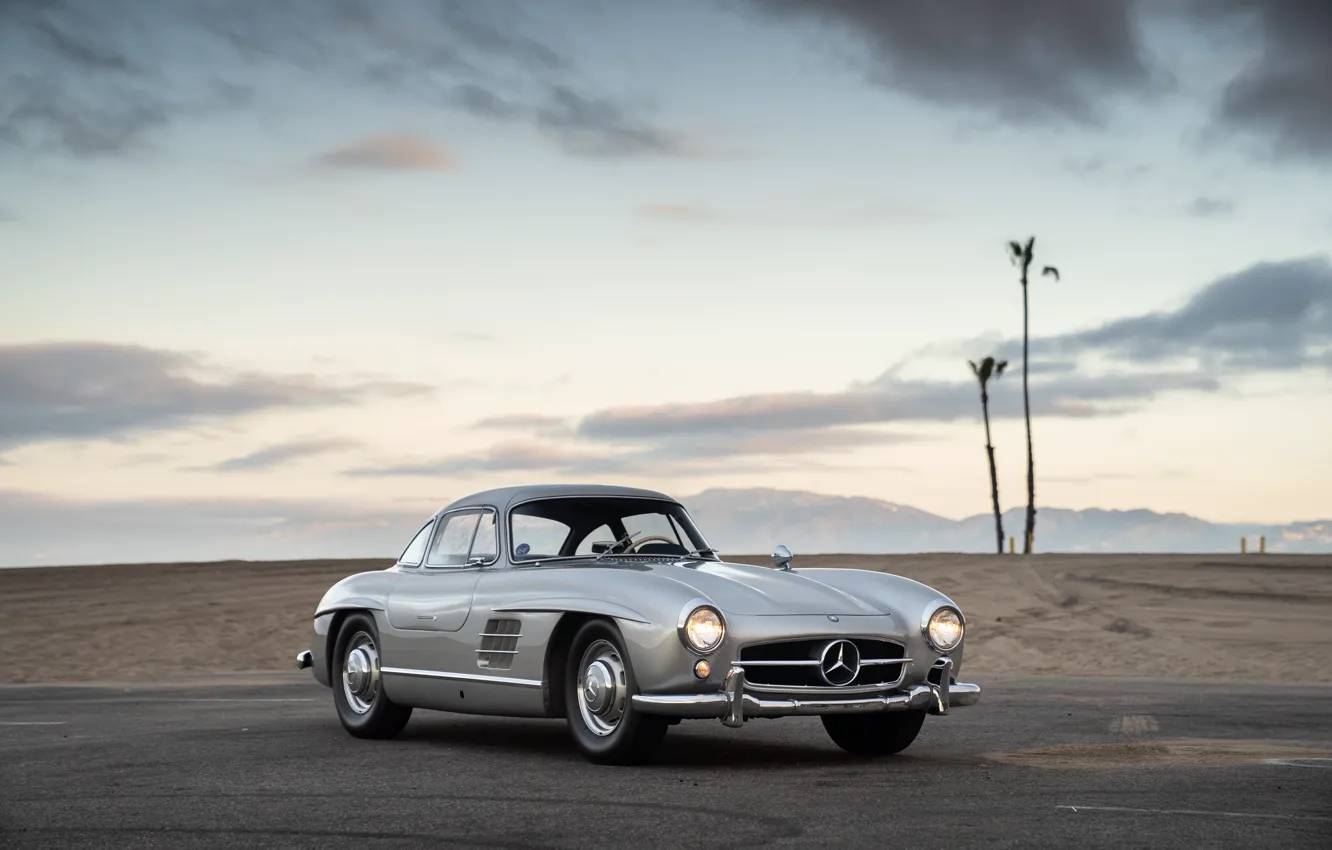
{"points": [[840, 663]]}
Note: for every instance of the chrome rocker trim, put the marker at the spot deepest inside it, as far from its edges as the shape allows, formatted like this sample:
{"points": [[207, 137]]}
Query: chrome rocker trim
{"points": [[733, 706]]}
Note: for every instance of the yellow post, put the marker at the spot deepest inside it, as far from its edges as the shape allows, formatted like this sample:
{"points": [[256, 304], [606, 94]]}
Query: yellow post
{"points": [[1029, 549], [1244, 545], [1262, 545], [1012, 544]]}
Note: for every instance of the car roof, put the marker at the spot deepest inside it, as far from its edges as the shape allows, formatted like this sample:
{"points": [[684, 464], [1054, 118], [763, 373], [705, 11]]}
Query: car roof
{"points": [[505, 497]]}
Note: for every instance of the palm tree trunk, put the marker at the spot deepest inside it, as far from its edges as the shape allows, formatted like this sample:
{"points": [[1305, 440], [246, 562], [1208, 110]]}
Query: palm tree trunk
{"points": [[994, 475], [1026, 408]]}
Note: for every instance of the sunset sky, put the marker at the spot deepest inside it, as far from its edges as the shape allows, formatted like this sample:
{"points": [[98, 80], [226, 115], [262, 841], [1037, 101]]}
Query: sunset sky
{"points": [[316, 261]]}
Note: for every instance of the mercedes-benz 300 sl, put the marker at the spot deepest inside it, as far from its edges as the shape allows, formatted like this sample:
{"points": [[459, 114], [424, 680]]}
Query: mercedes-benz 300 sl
{"points": [[607, 607]]}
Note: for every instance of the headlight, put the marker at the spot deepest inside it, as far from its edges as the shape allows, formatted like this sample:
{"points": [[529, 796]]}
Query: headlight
{"points": [[944, 631], [703, 629]]}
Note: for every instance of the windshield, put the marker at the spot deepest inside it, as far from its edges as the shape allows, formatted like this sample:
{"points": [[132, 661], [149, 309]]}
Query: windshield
{"points": [[589, 526]]}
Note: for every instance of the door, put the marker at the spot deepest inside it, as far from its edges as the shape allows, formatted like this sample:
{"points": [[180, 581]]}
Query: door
{"points": [[437, 596]]}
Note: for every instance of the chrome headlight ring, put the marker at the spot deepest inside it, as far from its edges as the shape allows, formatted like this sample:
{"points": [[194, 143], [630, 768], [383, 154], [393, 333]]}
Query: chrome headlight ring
{"points": [[942, 607], [701, 626]]}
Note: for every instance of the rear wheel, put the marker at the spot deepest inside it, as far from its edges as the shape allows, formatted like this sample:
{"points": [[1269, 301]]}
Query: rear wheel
{"points": [[363, 707], [599, 683], [875, 734]]}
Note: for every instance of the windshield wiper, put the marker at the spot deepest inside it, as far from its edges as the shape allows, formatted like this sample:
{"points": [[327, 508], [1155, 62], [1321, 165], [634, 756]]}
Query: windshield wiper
{"points": [[706, 550], [625, 540]]}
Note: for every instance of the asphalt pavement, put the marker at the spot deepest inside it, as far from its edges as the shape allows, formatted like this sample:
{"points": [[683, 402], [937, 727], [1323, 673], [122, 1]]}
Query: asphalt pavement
{"points": [[1040, 762]]}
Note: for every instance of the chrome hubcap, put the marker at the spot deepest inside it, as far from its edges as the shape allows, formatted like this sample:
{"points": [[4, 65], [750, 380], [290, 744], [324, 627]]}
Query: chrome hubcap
{"points": [[603, 688], [360, 673]]}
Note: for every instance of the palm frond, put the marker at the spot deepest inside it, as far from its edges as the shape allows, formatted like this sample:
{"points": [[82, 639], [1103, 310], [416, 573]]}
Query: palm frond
{"points": [[975, 370], [1051, 271], [1031, 244], [1000, 367], [1014, 251]]}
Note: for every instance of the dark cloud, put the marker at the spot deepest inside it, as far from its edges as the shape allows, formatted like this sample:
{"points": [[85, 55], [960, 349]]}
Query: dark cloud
{"points": [[95, 391], [1285, 97], [389, 152], [1205, 207], [1271, 316], [1023, 60], [102, 79], [281, 454]]}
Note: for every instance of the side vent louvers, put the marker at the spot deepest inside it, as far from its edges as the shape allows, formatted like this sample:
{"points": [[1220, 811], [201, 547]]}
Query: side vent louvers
{"points": [[499, 644]]}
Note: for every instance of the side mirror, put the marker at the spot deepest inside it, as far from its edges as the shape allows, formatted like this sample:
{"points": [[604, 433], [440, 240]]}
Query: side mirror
{"points": [[781, 557]]}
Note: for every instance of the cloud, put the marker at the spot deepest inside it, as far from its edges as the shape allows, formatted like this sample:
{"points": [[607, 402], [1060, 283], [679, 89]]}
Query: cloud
{"points": [[1284, 97], [7, 216], [60, 391], [599, 127], [105, 79], [35, 529], [534, 423], [1271, 316], [1037, 61], [279, 455], [1205, 207], [677, 212], [676, 455], [1103, 168], [803, 212], [389, 152], [886, 399]]}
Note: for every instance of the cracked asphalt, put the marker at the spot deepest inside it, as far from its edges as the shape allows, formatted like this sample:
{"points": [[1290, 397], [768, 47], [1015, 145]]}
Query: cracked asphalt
{"points": [[1040, 762]]}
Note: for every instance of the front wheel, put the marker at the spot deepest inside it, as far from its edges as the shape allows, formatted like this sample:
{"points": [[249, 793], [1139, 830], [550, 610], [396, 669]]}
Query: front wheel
{"points": [[599, 684], [363, 707], [875, 734]]}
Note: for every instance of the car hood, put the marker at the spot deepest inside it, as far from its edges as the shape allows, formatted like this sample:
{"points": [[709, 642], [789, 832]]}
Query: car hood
{"points": [[757, 591]]}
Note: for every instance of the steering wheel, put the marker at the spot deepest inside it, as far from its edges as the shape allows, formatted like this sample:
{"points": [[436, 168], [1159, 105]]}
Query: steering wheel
{"points": [[635, 544]]}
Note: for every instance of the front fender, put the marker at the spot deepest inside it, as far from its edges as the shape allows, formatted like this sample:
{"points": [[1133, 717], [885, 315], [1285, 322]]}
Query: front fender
{"points": [[367, 591]]}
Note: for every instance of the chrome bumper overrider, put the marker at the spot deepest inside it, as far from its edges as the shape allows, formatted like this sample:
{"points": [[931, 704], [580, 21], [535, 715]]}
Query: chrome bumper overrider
{"points": [[733, 706], [304, 659]]}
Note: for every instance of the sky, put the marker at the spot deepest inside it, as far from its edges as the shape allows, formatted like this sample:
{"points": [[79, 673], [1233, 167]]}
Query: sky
{"points": [[311, 264]]}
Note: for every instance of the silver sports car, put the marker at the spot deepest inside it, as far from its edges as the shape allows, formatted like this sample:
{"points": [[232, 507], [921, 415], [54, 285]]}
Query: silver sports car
{"points": [[605, 606]]}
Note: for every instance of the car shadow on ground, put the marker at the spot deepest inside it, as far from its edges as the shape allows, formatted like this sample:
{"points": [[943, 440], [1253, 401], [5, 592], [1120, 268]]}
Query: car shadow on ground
{"points": [[682, 746]]}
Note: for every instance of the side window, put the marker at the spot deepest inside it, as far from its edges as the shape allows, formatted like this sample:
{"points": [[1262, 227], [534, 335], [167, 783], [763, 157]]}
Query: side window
{"points": [[602, 534], [411, 556], [453, 541], [486, 545]]}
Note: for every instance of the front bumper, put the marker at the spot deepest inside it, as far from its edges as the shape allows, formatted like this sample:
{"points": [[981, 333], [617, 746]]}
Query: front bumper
{"points": [[733, 706]]}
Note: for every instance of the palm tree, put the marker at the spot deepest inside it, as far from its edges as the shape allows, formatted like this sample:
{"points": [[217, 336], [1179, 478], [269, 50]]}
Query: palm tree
{"points": [[984, 372], [1022, 256]]}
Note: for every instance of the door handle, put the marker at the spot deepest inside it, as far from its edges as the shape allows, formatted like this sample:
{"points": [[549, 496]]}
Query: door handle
{"points": [[425, 616]]}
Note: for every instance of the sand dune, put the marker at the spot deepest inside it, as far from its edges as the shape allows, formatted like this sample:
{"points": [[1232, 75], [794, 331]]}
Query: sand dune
{"points": [[1239, 618]]}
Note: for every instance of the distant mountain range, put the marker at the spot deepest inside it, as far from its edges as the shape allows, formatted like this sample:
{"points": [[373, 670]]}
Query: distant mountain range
{"points": [[755, 520]]}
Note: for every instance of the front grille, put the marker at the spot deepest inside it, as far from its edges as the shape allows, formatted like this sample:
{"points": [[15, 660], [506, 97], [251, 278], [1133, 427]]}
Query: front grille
{"points": [[794, 664], [499, 644]]}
